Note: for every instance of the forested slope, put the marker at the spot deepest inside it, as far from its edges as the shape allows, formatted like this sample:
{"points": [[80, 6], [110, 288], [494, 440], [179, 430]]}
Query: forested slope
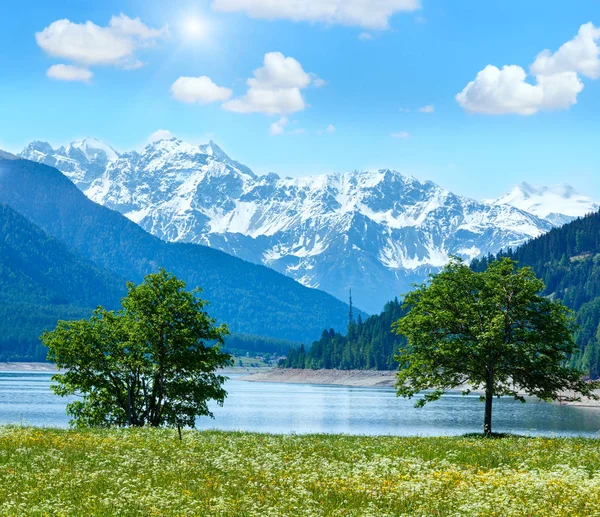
{"points": [[567, 259], [41, 281]]}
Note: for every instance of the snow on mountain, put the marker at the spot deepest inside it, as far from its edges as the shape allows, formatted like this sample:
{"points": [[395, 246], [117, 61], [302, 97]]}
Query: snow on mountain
{"points": [[82, 161], [559, 204], [376, 231]]}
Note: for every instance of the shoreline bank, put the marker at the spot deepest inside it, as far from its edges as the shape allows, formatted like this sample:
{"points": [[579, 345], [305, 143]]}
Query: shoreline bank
{"points": [[353, 378], [357, 378], [10, 366]]}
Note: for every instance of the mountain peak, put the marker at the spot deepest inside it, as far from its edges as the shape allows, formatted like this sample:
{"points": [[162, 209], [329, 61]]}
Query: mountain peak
{"points": [[93, 149], [212, 149], [40, 146], [548, 202]]}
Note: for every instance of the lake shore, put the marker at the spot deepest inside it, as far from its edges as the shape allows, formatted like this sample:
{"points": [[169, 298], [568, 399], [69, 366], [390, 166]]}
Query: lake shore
{"points": [[27, 367], [357, 378], [49, 367], [354, 378]]}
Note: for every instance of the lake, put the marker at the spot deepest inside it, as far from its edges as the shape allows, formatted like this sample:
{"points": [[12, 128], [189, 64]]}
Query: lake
{"points": [[25, 398]]}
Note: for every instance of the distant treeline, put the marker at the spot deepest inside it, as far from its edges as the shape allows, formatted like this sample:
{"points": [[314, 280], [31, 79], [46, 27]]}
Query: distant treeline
{"points": [[368, 344], [240, 344]]}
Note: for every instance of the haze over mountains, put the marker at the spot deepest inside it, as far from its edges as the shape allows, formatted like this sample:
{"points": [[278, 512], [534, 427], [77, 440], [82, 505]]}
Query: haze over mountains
{"points": [[375, 231]]}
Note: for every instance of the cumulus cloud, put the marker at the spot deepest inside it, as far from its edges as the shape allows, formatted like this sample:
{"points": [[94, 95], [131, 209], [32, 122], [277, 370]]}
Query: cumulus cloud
{"points": [[402, 135], [160, 134], [89, 44], [427, 109], [557, 83], [368, 14], [275, 89], [577, 55], [500, 91], [69, 73], [365, 36], [278, 128], [199, 89]]}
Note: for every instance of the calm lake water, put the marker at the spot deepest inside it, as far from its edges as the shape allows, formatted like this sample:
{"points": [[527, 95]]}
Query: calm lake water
{"points": [[25, 398]]}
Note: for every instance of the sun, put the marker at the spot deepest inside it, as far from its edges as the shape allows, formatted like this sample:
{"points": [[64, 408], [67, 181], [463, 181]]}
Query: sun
{"points": [[195, 28]]}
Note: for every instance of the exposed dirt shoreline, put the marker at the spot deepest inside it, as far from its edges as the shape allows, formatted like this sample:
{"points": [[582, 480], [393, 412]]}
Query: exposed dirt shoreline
{"points": [[353, 378], [366, 378], [27, 367]]}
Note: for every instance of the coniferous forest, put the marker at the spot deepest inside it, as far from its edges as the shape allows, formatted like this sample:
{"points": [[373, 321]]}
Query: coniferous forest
{"points": [[567, 259], [368, 344]]}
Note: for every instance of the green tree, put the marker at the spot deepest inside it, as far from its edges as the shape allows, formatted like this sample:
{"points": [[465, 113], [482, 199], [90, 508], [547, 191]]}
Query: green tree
{"points": [[152, 363], [491, 331]]}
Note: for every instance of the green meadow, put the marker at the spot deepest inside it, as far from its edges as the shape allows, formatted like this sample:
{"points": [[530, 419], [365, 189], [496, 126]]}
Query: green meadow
{"points": [[141, 472]]}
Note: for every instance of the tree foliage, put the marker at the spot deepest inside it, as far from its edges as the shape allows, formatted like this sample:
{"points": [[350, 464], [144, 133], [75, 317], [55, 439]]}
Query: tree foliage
{"points": [[150, 363], [490, 331]]}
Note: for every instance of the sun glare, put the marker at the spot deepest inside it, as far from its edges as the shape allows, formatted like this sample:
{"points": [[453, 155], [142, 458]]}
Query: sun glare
{"points": [[195, 28]]}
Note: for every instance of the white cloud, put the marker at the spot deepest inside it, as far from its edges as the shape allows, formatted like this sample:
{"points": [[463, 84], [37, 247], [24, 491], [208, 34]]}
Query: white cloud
{"points": [[427, 109], [577, 55], [403, 135], [160, 134], [369, 14], [134, 27], [404, 110], [89, 44], [275, 89], [557, 83], [365, 36], [329, 129], [278, 128], [199, 89], [69, 73], [498, 92]]}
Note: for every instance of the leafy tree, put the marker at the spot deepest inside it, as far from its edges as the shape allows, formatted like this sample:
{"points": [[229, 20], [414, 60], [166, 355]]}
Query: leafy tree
{"points": [[147, 364], [491, 331]]}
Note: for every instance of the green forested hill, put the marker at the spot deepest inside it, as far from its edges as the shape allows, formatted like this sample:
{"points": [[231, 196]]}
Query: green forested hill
{"points": [[567, 259], [42, 282], [252, 299]]}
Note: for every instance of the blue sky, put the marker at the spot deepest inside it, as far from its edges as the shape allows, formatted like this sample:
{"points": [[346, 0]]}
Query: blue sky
{"points": [[342, 89]]}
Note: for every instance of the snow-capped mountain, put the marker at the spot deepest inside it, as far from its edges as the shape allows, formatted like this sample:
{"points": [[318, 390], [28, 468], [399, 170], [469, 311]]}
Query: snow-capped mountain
{"points": [[375, 231], [82, 161], [559, 204]]}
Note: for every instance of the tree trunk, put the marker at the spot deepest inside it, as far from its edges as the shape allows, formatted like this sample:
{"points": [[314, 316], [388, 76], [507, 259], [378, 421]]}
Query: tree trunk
{"points": [[489, 397]]}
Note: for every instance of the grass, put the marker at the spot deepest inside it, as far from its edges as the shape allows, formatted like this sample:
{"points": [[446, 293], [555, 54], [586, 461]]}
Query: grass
{"points": [[150, 472]]}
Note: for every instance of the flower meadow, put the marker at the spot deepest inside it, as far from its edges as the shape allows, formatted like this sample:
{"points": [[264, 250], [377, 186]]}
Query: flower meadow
{"points": [[150, 472]]}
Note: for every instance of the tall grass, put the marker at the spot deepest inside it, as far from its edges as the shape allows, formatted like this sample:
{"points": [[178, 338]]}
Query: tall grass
{"points": [[150, 472]]}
